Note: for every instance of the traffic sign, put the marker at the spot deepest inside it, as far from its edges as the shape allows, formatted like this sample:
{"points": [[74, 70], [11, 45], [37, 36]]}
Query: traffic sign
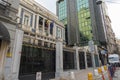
{"points": [[91, 46]]}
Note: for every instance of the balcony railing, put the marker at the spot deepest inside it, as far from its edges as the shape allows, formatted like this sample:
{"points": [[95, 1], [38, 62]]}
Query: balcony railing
{"points": [[4, 8]]}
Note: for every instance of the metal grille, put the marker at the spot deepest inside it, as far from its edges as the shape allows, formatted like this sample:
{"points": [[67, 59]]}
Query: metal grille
{"points": [[35, 60]]}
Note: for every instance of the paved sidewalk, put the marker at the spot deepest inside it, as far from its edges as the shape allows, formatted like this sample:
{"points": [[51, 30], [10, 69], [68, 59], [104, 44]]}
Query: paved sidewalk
{"points": [[78, 75], [117, 75], [83, 74]]}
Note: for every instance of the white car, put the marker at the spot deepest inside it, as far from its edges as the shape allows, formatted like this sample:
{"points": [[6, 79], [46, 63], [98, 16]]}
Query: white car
{"points": [[114, 59]]}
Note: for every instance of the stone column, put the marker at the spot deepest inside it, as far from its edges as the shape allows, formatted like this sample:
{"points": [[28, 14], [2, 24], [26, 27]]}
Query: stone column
{"points": [[86, 66], [59, 58], [33, 21], [37, 24], [54, 30], [43, 27], [17, 54], [19, 14], [49, 29], [77, 58]]}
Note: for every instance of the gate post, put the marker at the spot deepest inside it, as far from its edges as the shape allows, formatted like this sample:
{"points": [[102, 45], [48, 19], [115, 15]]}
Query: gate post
{"points": [[17, 54], [77, 58], [85, 52], [59, 58]]}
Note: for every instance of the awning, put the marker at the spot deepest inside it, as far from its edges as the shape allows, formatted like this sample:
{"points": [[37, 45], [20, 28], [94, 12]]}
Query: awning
{"points": [[4, 34]]}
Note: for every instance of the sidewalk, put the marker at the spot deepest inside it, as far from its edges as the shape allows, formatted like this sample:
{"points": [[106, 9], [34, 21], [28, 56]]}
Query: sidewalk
{"points": [[83, 74], [117, 75], [79, 75]]}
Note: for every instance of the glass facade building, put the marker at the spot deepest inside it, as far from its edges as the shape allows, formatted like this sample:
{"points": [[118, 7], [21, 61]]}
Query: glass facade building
{"points": [[62, 11], [83, 15], [84, 20]]}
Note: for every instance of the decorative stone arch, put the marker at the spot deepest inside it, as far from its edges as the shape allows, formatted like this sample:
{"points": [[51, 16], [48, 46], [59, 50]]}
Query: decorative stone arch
{"points": [[4, 34], [4, 43]]}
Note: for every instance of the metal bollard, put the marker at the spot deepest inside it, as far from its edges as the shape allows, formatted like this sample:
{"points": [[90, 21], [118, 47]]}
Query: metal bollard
{"points": [[99, 70], [90, 76], [101, 73], [105, 68]]}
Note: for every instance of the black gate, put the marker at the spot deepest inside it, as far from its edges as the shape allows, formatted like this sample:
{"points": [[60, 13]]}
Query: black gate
{"points": [[89, 60], [82, 60], [35, 59], [68, 60]]}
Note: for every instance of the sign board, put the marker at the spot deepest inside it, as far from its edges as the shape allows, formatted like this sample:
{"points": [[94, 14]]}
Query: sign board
{"points": [[38, 76], [91, 46]]}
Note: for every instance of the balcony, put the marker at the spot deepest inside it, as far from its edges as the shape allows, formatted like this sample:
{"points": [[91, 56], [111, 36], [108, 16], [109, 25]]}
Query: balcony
{"points": [[4, 8]]}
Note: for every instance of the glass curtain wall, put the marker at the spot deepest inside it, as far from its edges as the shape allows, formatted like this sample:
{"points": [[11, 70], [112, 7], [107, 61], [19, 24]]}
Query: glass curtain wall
{"points": [[62, 15], [84, 21], [62, 7]]}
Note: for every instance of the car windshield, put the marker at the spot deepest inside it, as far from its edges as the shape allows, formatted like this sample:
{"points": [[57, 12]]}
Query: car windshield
{"points": [[113, 58]]}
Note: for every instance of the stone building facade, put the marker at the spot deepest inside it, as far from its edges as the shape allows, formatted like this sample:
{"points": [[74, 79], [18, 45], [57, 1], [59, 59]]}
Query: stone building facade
{"points": [[8, 37], [41, 31]]}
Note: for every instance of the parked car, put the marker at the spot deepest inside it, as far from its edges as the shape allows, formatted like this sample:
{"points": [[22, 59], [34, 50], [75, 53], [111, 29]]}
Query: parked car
{"points": [[114, 59]]}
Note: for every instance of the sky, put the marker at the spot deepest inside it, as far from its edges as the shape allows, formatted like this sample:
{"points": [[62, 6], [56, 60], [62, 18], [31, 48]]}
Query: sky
{"points": [[113, 11]]}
